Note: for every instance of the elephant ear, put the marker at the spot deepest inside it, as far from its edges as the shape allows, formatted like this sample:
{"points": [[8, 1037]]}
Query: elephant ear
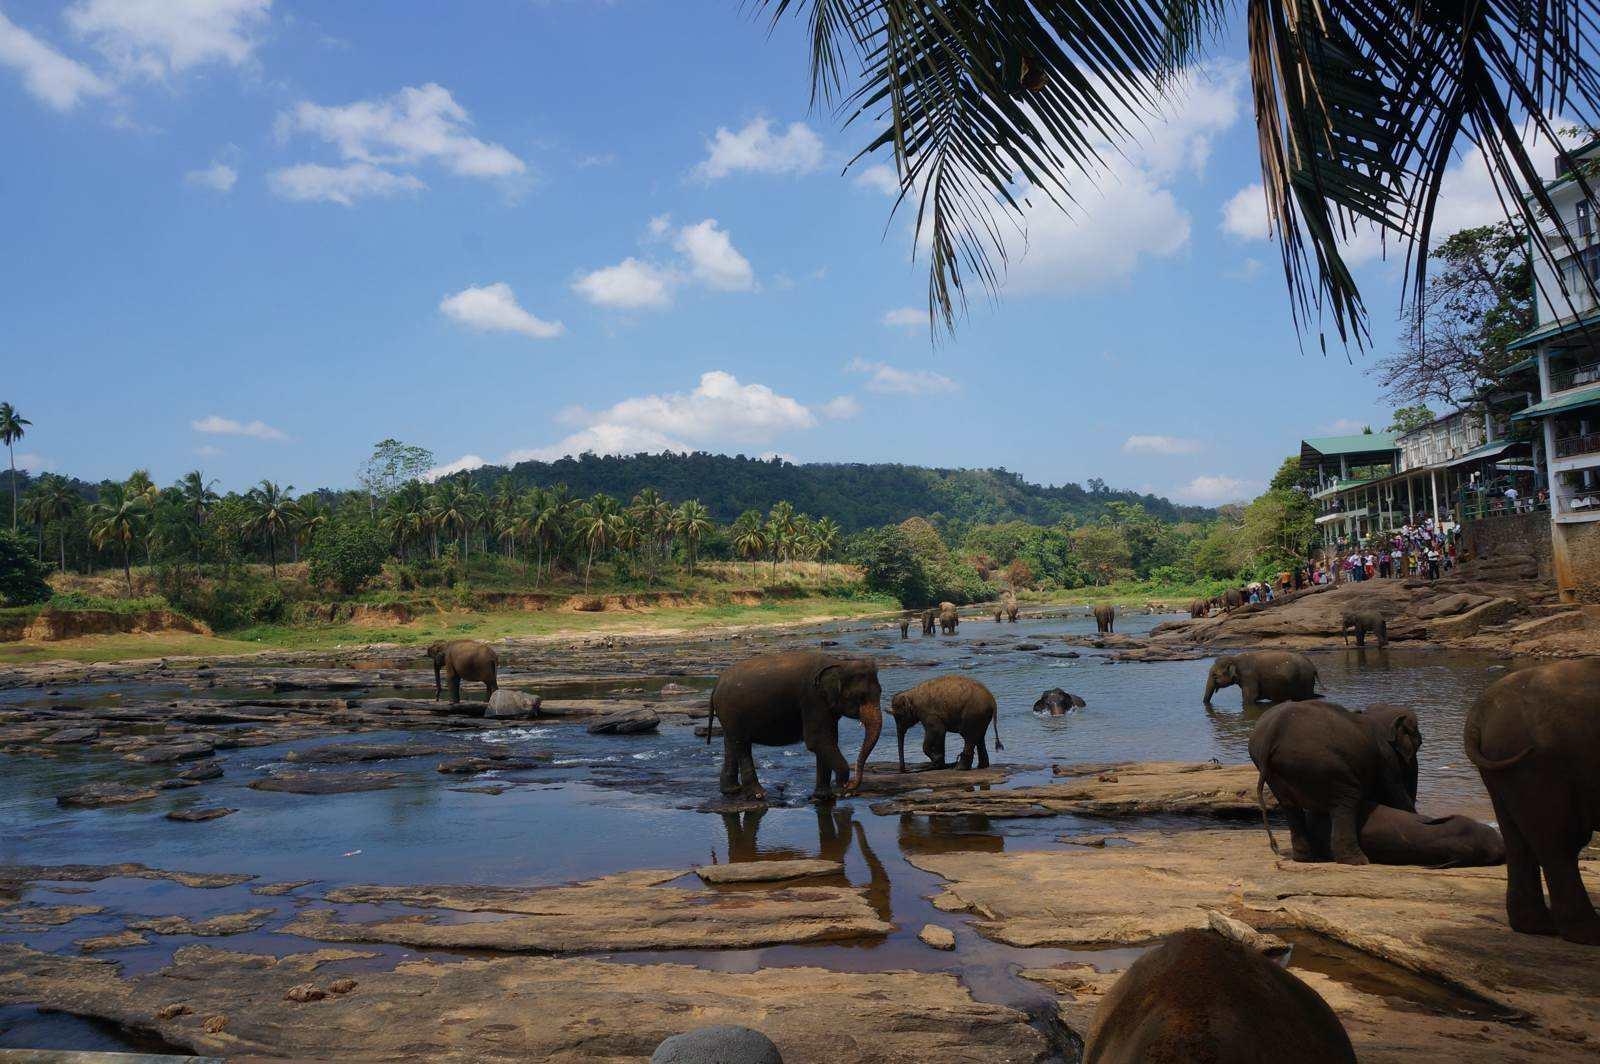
{"points": [[830, 682], [1406, 728]]}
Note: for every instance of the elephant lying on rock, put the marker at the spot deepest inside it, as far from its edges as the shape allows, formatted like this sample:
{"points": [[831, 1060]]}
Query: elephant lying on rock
{"points": [[783, 698], [1395, 837], [1535, 738], [942, 704], [1201, 997], [1105, 618], [1326, 764], [1361, 622], [1058, 703], [463, 659], [1263, 675]]}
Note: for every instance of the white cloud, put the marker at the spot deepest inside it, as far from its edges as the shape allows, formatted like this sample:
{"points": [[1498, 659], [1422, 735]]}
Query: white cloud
{"points": [[158, 38], [891, 380], [756, 149], [313, 182], [905, 317], [460, 465], [713, 260], [49, 76], [1138, 444], [216, 425], [1248, 270], [494, 308], [840, 408], [1214, 489], [35, 463], [879, 177], [659, 226], [629, 285], [1245, 214], [206, 450], [218, 177]]}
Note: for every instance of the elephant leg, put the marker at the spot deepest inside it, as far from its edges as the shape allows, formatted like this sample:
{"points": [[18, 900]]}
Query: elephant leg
{"points": [[1344, 835], [1569, 901], [729, 782], [491, 685], [438, 688], [1302, 844], [983, 751], [455, 687], [1361, 636], [968, 751], [1525, 907], [749, 784], [1249, 691], [933, 742], [831, 767]]}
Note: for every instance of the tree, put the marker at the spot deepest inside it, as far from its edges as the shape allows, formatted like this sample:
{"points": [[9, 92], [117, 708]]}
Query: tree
{"points": [[1103, 552], [1453, 347], [1410, 419], [271, 516], [825, 534], [12, 429], [692, 521], [309, 515], [750, 538], [55, 499], [890, 564], [598, 524], [346, 554], [392, 464], [22, 576], [119, 517]]}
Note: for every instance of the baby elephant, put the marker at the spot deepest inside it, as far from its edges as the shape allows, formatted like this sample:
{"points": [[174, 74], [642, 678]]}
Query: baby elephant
{"points": [[1201, 997], [1105, 618], [1058, 703], [905, 627], [947, 703], [1395, 837], [1264, 675], [463, 659], [1362, 622]]}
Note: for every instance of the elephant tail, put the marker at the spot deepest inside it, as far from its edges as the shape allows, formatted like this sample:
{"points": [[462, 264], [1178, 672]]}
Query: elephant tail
{"points": [[1487, 764], [1262, 805], [711, 716], [998, 745]]}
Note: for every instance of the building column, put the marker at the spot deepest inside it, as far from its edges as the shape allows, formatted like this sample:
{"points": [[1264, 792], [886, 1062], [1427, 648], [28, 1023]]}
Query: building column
{"points": [[1551, 477], [1433, 484], [1411, 501]]}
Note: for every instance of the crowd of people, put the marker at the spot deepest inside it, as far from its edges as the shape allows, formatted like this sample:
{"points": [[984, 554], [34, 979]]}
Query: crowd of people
{"points": [[1423, 550]]}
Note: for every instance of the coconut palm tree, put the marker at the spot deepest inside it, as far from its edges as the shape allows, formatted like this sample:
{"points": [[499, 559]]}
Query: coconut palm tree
{"points": [[272, 515], [782, 528], [405, 515], [825, 534], [547, 514], [12, 429], [597, 525], [987, 106], [310, 516], [750, 538], [55, 499], [198, 495], [119, 517], [691, 521]]}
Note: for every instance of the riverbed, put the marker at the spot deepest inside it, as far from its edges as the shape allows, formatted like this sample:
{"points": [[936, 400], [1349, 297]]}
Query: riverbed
{"points": [[603, 804]]}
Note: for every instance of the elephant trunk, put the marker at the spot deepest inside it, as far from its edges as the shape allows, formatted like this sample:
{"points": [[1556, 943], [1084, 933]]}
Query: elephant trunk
{"points": [[1211, 689], [872, 720], [901, 724]]}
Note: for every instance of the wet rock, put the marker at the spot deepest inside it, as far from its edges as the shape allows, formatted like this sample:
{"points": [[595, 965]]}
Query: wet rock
{"points": [[210, 770], [491, 790], [38, 916], [628, 911], [768, 871], [177, 783], [352, 753], [226, 924], [71, 735], [119, 940], [722, 1044], [1029, 646], [702, 731], [342, 986], [1179, 788], [1245, 935], [274, 890], [632, 722], [13, 876], [195, 816], [941, 938], [173, 1011], [100, 795], [166, 753], [506, 704], [326, 782], [491, 762], [303, 992]]}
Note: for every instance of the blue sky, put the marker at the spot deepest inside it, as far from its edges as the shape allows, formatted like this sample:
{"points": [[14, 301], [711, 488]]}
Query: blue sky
{"points": [[256, 236]]}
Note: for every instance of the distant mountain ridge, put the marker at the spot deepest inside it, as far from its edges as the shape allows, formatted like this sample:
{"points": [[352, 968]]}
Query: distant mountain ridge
{"points": [[856, 495]]}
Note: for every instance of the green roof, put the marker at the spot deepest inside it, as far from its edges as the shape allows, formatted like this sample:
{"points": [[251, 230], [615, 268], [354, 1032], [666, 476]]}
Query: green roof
{"points": [[1571, 401], [1550, 332], [1517, 367], [1364, 443]]}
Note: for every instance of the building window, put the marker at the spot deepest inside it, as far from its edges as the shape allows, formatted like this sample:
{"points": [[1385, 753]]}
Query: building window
{"points": [[1585, 219]]}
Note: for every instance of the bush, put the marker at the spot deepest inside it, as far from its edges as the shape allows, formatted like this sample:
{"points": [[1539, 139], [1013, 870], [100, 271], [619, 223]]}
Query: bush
{"points": [[346, 555], [890, 565], [22, 576], [236, 604]]}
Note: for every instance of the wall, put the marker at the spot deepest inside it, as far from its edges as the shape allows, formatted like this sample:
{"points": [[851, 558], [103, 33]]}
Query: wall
{"points": [[1520, 535], [1577, 561]]}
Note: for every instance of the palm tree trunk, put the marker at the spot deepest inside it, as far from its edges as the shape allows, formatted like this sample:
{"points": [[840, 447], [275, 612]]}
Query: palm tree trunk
{"points": [[127, 569], [63, 548], [13, 450], [272, 553]]}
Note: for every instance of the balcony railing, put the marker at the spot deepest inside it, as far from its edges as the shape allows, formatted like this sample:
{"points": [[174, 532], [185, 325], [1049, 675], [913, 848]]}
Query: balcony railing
{"points": [[1578, 502], [1569, 446], [1575, 377]]}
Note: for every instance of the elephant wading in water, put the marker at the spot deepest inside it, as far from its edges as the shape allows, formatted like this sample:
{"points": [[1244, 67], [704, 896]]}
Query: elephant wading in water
{"points": [[784, 698], [1361, 622], [949, 618], [463, 659], [929, 619], [905, 627], [1058, 703], [1535, 738], [1199, 608], [1325, 764], [944, 704], [1271, 675], [1200, 997], [1105, 618]]}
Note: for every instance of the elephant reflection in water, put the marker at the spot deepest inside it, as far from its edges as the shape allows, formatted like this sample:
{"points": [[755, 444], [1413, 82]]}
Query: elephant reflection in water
{"points": [[836, 829], [967, 833]]}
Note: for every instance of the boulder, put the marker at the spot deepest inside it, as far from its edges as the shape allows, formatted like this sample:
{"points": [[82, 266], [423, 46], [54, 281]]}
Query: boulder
{"points": [[96, 795], [1450, 605], [200, 773], [938, 937], [166, 753], [195, 816], [768, 871], [466, 766], [326, 782], [71, 735], [1492, 612], [720, 1044], [506, 704], [631, 722]]}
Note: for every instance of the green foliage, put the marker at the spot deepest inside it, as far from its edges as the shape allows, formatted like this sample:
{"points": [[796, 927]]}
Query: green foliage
{"points": [[890, 565], [22, 576], [1410, 418], [346, 555]]}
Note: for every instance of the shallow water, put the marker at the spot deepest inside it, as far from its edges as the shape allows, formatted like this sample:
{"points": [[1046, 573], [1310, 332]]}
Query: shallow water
{"points": [[614, 803]]}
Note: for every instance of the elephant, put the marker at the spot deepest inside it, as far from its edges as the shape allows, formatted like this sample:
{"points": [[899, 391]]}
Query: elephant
{"points": [[1201, 997], [1011, 613], [1199, 608], [929, 616], [905, 627], [949, 618], [1273, 675], [1362, 622], [1058, 703], [998, 614], [1105, 618], [1395, 837], [947, 703], [786, 697], [463, 659], [1233, 598], [1324, 763], [1535, 738]]}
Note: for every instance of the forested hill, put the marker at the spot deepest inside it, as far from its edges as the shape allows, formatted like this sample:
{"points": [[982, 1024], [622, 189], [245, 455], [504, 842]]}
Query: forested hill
{"points": [[856, 495]]}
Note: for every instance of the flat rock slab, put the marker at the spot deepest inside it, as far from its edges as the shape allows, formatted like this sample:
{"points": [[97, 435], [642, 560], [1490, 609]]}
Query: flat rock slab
{"points": [[71, 735], [768, 871], [561, 1009], [226, 924], [885, 778], [197, 816], [351, 753], [273, 890], [119, 940], [1174, 788], [466, 766], [14, 877], [326, 782], [632, 722], [629, 911], [166, 753], [48, 915], [1448, 926], [100, 795]]}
